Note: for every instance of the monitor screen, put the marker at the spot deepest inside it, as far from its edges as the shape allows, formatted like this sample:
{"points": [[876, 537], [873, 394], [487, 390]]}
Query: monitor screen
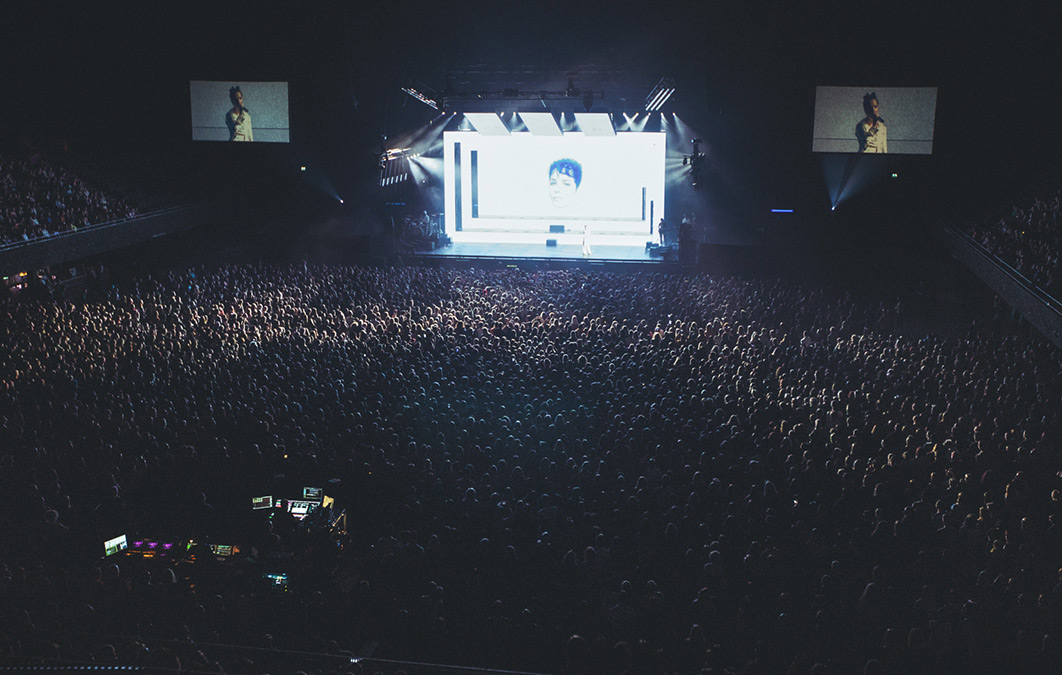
{"points": [[112, 546], [241, 111], [875, 120], [222, 550], [313, 494], [262, 502], [299, 508]]}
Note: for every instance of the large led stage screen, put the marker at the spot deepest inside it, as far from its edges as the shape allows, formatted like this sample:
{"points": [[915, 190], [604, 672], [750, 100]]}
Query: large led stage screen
{"points": [[875, 120], [523, 186], [240, 111]]}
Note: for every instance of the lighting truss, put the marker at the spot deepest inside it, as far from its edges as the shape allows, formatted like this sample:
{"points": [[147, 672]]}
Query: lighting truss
{"points": [[421, 97]]}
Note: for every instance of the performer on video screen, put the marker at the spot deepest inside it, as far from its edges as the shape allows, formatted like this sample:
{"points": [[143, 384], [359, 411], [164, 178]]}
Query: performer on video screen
{"points": [[870, 132], [239, 118]]}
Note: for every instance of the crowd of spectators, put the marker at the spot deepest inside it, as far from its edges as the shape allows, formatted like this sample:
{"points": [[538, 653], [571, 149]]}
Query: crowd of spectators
{"points": [[41, 199], [1029, 239], [554, 471]]}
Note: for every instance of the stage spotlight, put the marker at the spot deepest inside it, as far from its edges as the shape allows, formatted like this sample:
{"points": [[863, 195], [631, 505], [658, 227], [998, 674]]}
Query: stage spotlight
{"points": [[833, 208], [302, 168], [340, 201]]}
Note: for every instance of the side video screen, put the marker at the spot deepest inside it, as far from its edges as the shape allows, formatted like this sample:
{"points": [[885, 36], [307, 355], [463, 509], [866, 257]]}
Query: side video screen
{"points": [[240, 111], [875, 120]]}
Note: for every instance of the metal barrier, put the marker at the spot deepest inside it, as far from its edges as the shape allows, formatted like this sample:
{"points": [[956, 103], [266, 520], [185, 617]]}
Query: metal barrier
{"points": [[70, 246], [1035, 304]]}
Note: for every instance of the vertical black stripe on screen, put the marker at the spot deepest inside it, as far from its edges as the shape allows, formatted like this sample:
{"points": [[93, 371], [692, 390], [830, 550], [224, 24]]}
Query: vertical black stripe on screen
{"points": [[457, 186], [475, 183]]}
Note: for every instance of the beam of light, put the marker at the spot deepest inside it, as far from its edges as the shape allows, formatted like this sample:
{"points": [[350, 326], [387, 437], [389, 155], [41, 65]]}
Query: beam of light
{"points": [[419, 141], [781, 210], [319, 181], [424, 168], [847, 175], [675, 172], [685, 131], [567, 122]]}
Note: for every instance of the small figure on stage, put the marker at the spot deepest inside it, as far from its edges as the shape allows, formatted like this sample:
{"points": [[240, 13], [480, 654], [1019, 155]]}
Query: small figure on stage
{"points": [[661, 228]]}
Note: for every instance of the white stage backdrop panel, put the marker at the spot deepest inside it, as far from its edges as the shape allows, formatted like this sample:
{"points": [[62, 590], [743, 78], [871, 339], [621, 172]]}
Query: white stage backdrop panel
{"points": [[523, 180]]}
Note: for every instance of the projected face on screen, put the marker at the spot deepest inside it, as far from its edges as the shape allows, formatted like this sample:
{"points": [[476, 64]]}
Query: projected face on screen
{"points": [[870, 105], [564, 178]]}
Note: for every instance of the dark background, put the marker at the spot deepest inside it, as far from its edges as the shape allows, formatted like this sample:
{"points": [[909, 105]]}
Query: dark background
{"points": [[112, 80]]}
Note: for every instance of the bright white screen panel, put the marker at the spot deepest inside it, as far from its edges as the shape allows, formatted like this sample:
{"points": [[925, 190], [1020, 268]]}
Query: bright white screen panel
{"points": [[525, 186]]}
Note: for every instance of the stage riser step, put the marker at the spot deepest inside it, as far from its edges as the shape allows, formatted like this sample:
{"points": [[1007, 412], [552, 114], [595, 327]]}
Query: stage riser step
{"points": [[540, 238], [594, 232], [603, 229]]}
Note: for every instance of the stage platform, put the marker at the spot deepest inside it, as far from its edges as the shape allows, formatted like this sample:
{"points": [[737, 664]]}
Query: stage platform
{"points": [[540, 252]]}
